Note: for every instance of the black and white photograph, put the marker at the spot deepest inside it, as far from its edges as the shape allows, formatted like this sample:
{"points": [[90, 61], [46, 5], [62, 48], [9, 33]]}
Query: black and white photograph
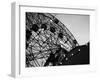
{"points": [[56, 39], [52, 40]]}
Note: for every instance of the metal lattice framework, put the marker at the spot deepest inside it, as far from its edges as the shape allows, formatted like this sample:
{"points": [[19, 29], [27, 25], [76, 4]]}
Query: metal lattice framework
{"points": [[48, 40]]}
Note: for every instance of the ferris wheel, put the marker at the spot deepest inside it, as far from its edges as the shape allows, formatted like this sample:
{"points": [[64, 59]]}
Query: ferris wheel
{"points": [[48, 41]]}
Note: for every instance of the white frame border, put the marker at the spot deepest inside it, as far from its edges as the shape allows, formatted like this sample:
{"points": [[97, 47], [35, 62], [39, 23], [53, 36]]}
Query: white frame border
{"points": [[15, 38]]}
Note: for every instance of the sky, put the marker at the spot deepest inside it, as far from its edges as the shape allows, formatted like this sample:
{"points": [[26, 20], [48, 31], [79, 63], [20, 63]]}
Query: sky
{"points": [[78, 25]]}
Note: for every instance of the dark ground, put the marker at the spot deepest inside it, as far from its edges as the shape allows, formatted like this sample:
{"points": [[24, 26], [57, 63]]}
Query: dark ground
{"points": [[80, 57]]}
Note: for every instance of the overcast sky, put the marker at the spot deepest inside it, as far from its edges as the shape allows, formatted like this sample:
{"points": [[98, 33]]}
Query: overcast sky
{"points": [[78, 26]]}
